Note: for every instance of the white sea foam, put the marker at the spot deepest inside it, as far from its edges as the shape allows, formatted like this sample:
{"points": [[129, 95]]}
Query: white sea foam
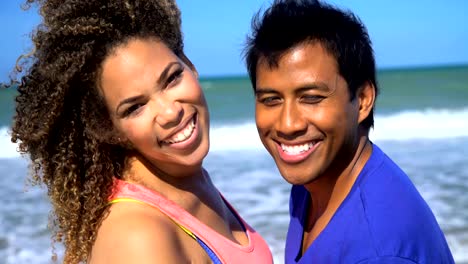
{"points": [[7, 148], [402, 126], [427, 124]]}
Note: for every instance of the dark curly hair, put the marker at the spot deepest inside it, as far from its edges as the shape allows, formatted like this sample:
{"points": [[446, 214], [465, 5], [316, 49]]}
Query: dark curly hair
{"points": [[61, 120]]}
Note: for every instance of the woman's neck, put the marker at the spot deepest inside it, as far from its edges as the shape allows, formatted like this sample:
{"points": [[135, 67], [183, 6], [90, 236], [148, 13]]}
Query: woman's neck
{"points": [[185, 189]]}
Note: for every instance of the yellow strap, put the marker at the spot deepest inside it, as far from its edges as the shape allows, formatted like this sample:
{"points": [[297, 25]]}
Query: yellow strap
{"points": [[117, 200], [186, 230]]}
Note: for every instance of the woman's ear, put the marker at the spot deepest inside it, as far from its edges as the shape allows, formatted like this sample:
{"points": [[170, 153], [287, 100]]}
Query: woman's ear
{"points": [[366, 100]]}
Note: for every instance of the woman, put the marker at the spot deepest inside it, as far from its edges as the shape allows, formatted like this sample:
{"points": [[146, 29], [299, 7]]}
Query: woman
{"points": [[116, 125]]}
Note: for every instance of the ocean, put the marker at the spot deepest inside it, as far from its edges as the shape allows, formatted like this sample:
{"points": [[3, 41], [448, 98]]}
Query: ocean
{"points": [[421, 123]]}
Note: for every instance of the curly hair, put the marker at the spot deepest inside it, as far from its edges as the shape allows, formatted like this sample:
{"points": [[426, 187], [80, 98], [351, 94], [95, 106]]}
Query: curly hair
{"points": [[61, 120]]}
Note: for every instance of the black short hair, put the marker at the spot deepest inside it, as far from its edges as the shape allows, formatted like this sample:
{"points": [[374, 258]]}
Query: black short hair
{"points": [[289, 23]]}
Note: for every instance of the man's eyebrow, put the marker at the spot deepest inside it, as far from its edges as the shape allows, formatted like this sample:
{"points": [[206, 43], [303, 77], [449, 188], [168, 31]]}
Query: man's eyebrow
{"points": [[163, 76], [320, 86], [303, 88], [259, 91]]}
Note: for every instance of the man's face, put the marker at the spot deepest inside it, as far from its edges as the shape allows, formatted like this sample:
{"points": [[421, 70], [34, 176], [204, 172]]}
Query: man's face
{"points": [[304, 114]]}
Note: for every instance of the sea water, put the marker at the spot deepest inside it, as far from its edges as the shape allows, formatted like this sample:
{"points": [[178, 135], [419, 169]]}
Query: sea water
{"points": [[421, 122]]}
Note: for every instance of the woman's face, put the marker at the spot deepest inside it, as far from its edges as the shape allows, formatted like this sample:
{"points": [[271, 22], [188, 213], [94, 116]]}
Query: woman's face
{"points": [[157, 104]]}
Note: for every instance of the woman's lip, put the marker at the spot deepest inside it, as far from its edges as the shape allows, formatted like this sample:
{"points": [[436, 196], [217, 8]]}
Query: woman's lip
{"points": [[179, 129], [187, 143]]}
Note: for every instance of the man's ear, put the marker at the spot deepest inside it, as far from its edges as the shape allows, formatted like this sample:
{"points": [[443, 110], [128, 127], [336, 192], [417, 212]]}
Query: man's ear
{"points": [[366, 99], [186, 60]]}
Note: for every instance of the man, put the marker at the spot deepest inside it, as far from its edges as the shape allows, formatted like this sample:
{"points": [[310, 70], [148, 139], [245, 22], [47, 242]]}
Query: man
{"points": [[313, 72]]}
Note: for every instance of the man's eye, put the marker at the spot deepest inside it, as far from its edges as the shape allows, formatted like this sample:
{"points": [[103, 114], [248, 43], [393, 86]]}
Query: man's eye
{"points": [[270, 100], [312, 99]]}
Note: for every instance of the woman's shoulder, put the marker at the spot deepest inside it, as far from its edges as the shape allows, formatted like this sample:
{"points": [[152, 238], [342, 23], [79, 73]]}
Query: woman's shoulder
{"points": [[135, 233]]}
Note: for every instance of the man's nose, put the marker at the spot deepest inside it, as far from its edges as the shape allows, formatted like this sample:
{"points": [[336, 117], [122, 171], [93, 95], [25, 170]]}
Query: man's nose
{"points": [[291, 122]]}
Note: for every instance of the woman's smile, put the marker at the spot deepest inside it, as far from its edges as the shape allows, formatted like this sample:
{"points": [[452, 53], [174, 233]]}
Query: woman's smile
{"points": [[185, 137]]}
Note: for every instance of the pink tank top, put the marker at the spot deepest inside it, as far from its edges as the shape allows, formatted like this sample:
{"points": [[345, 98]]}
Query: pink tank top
{"points": [[228, 252]]}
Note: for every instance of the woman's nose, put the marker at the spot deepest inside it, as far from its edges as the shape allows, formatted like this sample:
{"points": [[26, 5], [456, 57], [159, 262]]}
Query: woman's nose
{"points": [[169, 113]]}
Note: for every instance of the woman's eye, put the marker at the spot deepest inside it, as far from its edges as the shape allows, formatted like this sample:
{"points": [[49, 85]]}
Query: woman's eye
{"points": [[132, 110], [175, 76]]}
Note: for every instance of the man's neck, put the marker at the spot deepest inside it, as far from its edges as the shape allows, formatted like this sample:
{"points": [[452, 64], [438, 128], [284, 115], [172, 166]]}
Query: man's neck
{"points": [[329, 191]]}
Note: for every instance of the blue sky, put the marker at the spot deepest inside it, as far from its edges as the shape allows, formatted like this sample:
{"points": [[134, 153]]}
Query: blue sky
{"points": [[404, 33]]}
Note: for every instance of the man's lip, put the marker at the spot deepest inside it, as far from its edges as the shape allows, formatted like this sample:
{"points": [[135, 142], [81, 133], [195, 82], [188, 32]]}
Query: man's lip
{"points": [[292, 158], [296, 143], [179, 128]]}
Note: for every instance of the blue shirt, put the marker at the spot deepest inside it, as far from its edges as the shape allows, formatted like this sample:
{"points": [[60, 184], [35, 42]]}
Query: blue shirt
{"points": [[383, 219]]}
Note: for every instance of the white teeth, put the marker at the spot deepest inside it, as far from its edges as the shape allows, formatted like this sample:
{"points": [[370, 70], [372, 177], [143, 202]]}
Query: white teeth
{"points": [[297, 149], [182, 135]]}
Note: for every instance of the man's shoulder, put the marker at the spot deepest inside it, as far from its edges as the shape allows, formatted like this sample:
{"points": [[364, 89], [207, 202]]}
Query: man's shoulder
{"points": [[383, 182], [398, 217], [391, 201]]}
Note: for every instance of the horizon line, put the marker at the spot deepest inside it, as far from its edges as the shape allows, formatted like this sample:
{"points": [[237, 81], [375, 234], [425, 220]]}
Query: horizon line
{"points": [[379, 69]]}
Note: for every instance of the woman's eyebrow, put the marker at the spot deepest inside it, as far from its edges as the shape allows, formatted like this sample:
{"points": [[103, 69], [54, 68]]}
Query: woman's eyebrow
{"points": [[164, 73]]}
